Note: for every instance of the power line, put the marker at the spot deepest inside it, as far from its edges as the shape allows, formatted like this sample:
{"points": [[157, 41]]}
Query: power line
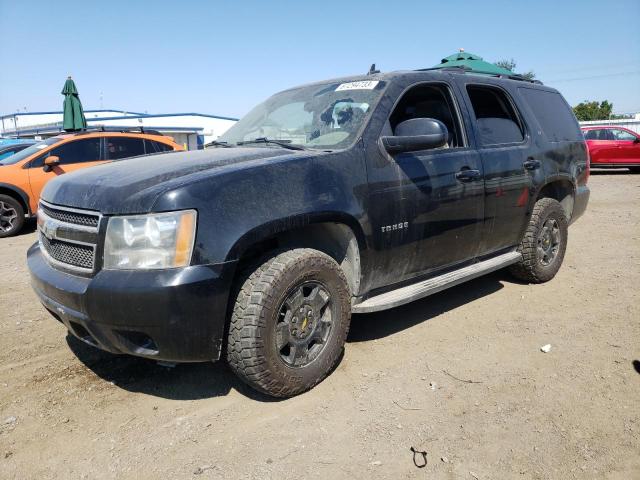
{"points": [[583, 68], [593, 76]]}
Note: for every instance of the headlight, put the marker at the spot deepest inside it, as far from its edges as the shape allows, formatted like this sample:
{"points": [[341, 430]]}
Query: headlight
{"points": [[158, 240]]}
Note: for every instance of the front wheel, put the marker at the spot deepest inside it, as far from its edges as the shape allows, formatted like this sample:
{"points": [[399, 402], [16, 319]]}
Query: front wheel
{"points": [[289, 322], [11, 216], [544, 243]]}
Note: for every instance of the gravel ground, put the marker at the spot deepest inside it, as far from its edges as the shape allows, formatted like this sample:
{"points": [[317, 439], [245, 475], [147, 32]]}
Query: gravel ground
{"points": [[459, 375]]}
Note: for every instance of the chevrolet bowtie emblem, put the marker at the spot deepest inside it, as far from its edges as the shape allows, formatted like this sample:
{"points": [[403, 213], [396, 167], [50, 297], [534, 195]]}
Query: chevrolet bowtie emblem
{"points": [[49, 229]]}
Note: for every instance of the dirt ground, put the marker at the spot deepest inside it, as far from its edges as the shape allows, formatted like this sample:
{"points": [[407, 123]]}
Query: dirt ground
{"points": [[459, 375]]}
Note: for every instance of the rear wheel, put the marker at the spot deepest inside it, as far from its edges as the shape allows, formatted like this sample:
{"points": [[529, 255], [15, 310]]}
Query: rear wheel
{"points": [[11, 216], [544, 243], [289, 323]]}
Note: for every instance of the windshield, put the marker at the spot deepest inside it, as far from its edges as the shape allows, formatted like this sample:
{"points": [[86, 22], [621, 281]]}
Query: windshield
{"points": [[29, 151], [327, 116]]}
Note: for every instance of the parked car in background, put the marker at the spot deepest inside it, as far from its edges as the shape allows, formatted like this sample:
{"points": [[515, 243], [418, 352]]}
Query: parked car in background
{"points": [[349, 195], [24, 174], [613, 147], [6, 150]]}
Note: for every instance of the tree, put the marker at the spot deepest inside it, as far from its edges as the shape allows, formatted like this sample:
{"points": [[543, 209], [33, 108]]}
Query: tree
{"points": [[511, 65], [587, 110]]}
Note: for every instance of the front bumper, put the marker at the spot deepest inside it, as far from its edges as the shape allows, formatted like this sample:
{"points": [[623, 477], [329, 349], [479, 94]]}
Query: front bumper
{"points": [[175, 315], [580, 202]]}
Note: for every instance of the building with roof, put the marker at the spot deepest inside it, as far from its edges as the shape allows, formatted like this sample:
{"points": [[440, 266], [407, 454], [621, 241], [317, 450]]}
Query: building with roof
{"points": [[189, 129], [631, 121]]}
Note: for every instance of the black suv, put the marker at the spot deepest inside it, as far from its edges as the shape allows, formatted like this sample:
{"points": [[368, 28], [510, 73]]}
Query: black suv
{"points": [[345, 196]]}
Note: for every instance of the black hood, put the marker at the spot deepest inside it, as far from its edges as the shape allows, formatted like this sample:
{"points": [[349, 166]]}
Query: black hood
{"points": [[133, 185]]}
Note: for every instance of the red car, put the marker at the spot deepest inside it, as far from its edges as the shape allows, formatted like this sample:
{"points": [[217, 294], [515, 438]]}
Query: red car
{"points": [[613, 147]]}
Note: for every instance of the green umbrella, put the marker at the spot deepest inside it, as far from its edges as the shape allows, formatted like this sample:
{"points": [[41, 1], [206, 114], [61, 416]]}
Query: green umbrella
{"points": [[73, 118], [472, 62]]}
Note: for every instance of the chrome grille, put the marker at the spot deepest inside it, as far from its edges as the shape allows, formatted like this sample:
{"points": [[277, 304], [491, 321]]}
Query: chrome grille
{"points": [[69, 253], [68, 237], [73, 217]]}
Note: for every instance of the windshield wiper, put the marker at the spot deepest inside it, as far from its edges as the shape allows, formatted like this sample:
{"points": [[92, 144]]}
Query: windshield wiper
{"points": [[281, 143], [216, 143]]}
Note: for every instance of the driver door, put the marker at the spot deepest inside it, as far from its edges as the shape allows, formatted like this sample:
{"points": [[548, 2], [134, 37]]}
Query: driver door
{"points": [[73, 155], [426, 207]]}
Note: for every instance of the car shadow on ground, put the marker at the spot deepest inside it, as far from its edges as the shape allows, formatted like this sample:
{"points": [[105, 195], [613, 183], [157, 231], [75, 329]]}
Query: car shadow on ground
{"points": [[187, 381], [28, 228], [636, 366], [373, 326], [194, 381], [612, 171]]}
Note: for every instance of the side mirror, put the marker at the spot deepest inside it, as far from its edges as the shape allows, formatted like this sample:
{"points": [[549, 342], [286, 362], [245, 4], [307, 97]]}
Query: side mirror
{"points": [[636, 140], [416, 134], [50, 162]]}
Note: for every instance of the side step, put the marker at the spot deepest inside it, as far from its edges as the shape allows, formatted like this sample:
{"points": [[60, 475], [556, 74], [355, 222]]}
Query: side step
{"points": [[425, 288]]}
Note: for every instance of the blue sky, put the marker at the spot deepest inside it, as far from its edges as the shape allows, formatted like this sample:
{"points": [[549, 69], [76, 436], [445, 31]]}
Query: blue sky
{"points": [[223, 57]]}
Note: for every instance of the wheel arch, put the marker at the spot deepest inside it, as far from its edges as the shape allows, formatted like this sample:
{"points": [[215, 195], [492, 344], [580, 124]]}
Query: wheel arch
{"points": [[17, 193], [337, 234], [560, 188]]}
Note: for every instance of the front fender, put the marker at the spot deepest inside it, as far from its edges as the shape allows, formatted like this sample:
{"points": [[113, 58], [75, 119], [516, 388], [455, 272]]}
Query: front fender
{"points": [[245, 205]]}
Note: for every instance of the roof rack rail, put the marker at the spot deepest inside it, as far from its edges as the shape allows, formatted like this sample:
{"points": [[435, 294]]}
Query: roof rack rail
{"points": [[465, 70], [102, 128]]}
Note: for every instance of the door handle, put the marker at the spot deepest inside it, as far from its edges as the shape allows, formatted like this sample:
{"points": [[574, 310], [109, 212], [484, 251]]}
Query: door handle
{"points": [[467, 175], [532, 164]]}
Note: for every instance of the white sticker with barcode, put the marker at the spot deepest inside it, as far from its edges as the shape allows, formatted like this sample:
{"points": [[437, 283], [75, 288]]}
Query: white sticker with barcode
{"points": [[363, 85]]}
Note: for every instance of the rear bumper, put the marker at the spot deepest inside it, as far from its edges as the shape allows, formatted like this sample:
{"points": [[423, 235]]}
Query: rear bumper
{"points": [[173, 315], [580, 202]]}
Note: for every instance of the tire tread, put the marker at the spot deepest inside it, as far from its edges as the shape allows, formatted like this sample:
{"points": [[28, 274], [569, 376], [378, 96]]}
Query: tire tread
{"points": [[256, 289]]}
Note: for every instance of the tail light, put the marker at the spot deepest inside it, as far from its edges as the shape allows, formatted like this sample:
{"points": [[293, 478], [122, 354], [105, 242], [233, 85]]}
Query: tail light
{"points": [[588, 169]]}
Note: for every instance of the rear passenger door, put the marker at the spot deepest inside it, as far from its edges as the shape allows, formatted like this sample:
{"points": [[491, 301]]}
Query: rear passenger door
{"points": [[609, 151], [500, 136], [600, 143]]}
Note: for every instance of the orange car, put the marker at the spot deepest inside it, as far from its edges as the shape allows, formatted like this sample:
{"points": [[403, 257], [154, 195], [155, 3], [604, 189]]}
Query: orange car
{"points": [[24, 174]]}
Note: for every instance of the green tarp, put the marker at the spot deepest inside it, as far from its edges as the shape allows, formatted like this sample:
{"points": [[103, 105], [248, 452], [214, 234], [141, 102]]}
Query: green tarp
{"points": [[474, 63], [73, 118]]}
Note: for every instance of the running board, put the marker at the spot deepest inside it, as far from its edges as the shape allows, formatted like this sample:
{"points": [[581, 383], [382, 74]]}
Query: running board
{"points": [[415, 291]]}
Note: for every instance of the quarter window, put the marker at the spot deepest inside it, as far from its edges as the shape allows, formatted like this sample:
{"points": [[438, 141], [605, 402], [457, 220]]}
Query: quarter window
{"points": [[600, 134], [496, 119], [554, 115], [78, 151], [591, 134], [124, 147], [155, 147]]}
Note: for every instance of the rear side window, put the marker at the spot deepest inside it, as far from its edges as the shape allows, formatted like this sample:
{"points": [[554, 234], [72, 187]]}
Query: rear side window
{"points": [[78, 151], [124, 147], [496, 120], [554, 115], [591, 135], [7, 153], [599, 134]]}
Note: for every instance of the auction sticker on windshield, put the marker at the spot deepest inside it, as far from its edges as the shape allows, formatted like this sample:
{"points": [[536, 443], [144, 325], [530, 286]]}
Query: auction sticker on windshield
{"points": [[363, 85]]}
